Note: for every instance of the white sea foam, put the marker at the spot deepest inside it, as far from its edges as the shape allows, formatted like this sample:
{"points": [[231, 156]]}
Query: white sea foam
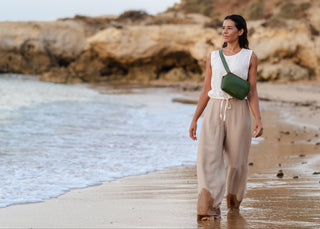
{"points": [[256, 141]]}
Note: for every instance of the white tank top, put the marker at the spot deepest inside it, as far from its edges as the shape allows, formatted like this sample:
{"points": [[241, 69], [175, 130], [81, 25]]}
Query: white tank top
{"points": [[238, 64]]}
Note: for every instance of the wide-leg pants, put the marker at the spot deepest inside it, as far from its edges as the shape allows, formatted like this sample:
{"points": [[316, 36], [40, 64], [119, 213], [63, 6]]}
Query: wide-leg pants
{"points": [[222, 159]]}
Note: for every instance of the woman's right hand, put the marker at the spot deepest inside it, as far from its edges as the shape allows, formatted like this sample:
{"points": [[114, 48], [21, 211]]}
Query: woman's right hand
{"points": [[203, 100], [193, 130]]}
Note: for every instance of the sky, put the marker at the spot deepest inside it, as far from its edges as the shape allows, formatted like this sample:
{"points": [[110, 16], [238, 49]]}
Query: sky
{"points": [[44, 10]]}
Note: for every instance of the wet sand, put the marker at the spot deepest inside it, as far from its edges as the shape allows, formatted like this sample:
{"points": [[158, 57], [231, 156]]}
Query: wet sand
{"points": [[168, 198]]}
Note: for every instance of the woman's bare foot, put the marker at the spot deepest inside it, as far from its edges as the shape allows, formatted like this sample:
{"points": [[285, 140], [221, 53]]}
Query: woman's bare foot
{"points": [[208, 217]]}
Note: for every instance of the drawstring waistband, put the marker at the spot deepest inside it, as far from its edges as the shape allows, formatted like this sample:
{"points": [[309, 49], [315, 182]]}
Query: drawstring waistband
{"points": [[226, 106]]}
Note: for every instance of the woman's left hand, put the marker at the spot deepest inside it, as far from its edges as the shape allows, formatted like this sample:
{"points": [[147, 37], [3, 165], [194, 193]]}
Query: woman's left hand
{"points": [[258, 129]]}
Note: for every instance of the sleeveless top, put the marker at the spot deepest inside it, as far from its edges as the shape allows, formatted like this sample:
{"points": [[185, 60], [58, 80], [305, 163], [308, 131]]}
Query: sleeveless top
{"points": [[238, 64]]}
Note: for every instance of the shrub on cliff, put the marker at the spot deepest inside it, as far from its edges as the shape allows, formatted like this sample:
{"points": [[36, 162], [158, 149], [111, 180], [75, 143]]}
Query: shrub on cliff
{"points": [[204, 7], [275, 22], [133, 15], [256, 10], [214, 23], [291, 10]]}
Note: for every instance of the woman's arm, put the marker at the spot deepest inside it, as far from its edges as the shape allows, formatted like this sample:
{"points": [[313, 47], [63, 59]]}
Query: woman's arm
{"points": [[253, 96], [203, 100]]}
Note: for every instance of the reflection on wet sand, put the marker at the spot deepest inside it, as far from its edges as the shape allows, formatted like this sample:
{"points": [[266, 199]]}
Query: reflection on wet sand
{"points": [[215, 224], [234, 221]]}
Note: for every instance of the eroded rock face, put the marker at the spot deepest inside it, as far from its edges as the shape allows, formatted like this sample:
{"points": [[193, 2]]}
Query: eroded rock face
{"points": [[149, 52], [39, 47], [64, 51], [286, 54]]}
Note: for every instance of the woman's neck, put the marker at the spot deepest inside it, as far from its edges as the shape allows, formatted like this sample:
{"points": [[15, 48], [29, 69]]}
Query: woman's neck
{"points": [[233, 47]]}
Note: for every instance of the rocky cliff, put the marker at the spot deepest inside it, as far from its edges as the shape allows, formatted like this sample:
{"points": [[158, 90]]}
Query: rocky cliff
{"points": [[138, 47]]}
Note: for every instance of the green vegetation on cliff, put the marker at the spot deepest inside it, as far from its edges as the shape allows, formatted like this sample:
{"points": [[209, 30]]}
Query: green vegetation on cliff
{"points": [[251, 9], [204, 7]]}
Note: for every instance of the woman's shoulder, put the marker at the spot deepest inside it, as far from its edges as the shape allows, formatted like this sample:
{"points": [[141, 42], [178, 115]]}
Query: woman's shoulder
{"points": [[214, 53], [247, 51]]}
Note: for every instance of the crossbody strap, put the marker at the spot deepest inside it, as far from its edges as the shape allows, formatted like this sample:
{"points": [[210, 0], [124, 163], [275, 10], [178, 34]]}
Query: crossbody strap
{"points": [[224, 61]]}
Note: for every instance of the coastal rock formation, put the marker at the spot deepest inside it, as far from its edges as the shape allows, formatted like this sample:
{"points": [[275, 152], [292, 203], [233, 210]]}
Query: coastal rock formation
{"points": [[39, 47], [138, 47], [286, 54], [146, 53]]}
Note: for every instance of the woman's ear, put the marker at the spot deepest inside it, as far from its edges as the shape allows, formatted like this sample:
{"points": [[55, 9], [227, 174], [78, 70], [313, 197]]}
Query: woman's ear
{"points": [[240, 32]]}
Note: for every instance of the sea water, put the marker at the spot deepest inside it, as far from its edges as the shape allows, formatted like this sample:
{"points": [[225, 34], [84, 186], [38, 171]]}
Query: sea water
{"points": [[55, 137]]}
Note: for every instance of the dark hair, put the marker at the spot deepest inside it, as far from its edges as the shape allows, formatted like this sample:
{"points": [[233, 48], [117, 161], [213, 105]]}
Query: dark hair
{"points": [[240, 23]]}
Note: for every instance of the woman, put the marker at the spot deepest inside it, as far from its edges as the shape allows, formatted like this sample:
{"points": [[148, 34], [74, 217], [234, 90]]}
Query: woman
{"points": [[225, 138]]}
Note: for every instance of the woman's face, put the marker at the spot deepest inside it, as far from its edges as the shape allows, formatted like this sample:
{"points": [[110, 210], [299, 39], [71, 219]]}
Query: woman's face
{"points": [[230, 32]]}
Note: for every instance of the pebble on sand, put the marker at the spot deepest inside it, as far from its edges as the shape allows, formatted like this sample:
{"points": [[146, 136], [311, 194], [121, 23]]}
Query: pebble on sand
{"points": [[280, 174]]}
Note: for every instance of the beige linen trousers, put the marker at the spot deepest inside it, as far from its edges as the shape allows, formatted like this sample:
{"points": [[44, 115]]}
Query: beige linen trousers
{"points": [[222, 158]]}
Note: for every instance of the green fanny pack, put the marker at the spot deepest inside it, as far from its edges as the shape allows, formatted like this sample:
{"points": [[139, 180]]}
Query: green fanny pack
{"points": [[233, 84]]}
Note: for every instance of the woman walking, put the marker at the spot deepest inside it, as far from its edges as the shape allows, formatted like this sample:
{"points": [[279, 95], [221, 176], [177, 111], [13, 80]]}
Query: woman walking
{"points": [[225, 138]]}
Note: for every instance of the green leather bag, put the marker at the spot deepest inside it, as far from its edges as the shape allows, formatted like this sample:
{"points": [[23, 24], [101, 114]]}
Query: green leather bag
{"points": [[233, 84]]}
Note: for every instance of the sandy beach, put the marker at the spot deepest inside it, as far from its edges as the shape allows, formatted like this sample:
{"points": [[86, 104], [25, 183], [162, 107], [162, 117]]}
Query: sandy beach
{"points": [[167, 199]]}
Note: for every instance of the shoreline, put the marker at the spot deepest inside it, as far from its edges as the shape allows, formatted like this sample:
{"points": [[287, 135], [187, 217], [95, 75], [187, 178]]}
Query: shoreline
{"points": [[167, 198], [301, 100]]}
